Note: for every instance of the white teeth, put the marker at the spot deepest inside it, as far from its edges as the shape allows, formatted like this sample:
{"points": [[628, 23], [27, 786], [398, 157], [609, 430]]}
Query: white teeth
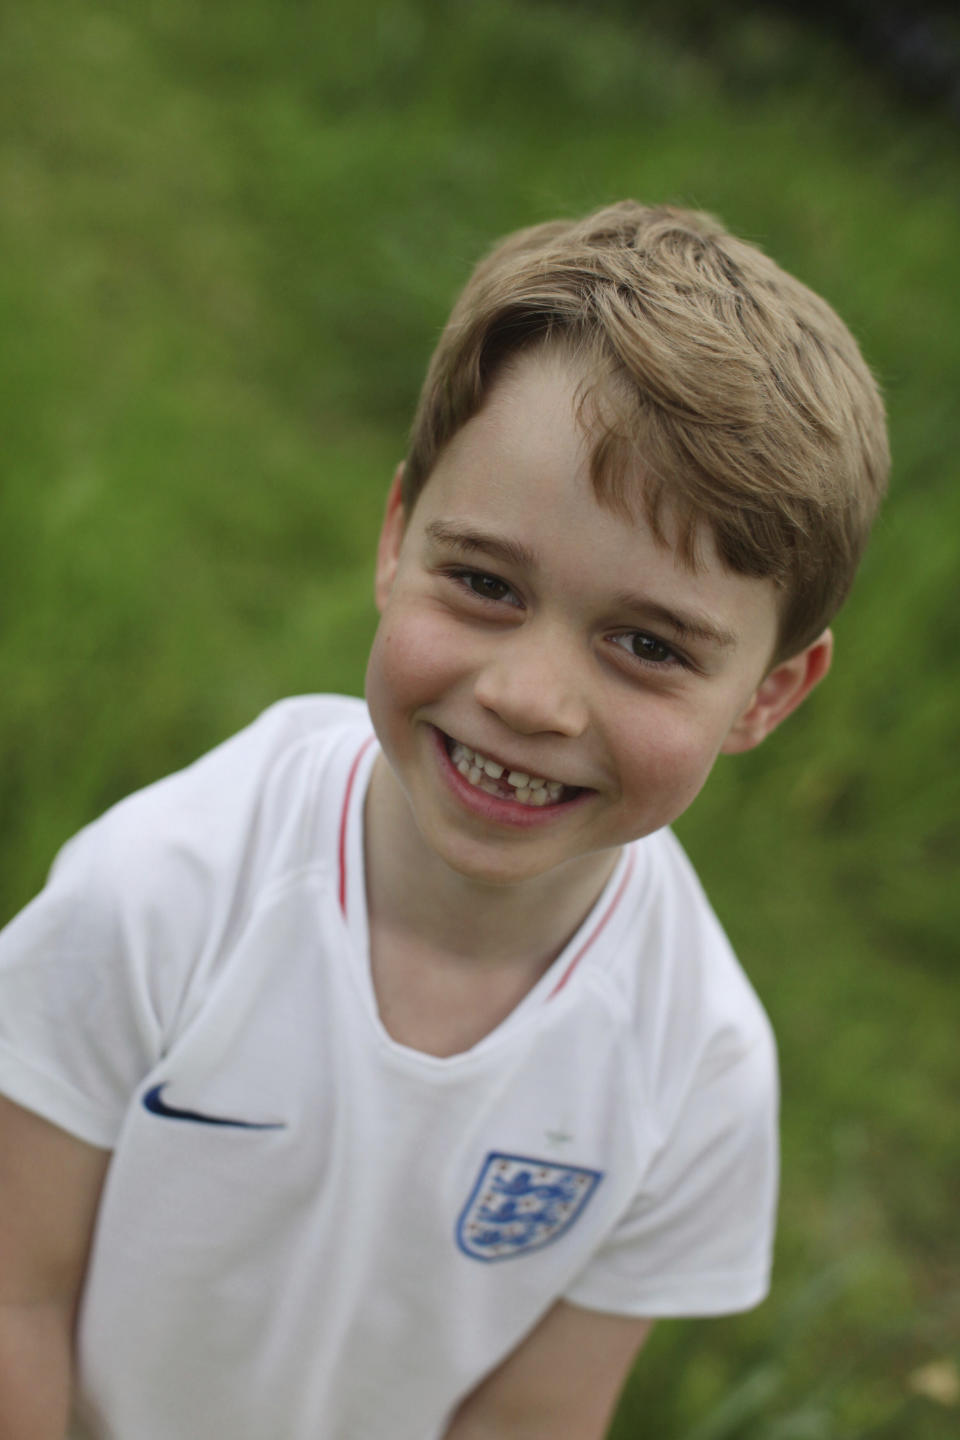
{"points": [[484, 773]]}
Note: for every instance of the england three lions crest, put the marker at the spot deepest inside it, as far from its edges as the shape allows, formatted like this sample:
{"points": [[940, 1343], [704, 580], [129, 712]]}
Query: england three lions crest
{"points": [[520, 1204]]}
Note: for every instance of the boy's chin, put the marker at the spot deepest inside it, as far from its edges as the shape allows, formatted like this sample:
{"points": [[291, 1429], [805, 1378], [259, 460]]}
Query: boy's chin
{"points": [[506, 870]]}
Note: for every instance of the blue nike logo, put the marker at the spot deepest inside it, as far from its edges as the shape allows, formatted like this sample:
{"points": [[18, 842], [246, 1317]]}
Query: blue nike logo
{"points": [[154, 1102]]}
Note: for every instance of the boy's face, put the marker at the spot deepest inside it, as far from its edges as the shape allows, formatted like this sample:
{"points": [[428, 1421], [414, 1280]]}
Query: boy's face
{"points": [[524, 623]]}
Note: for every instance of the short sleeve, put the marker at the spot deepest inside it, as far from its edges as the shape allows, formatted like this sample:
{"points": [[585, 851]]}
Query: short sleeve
{"points": [[698, 1237], [112, 960], [78, 1024]]}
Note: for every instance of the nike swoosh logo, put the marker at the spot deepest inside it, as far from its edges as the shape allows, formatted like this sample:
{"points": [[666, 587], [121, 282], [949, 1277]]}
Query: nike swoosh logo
{"points": [[155, 1103]]}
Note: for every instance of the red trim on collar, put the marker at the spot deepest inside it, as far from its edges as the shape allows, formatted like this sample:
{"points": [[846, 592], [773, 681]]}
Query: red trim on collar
{"points": [[595, 932], [342, 848]]}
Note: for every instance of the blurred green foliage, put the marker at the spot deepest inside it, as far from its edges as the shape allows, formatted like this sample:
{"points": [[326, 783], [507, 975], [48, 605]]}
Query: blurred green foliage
{"points": [[230, 235]]}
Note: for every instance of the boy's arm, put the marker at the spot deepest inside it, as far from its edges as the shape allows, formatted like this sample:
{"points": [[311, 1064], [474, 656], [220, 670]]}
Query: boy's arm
{"points": [[561, 1383], [50, 1186]]}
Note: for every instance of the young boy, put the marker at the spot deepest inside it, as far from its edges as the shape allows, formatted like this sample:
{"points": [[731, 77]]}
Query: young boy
{"points": [[385, 1074]]}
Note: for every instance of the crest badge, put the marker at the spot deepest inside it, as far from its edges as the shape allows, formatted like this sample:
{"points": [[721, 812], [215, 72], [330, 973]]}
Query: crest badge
{"points": [[519, 1204]]}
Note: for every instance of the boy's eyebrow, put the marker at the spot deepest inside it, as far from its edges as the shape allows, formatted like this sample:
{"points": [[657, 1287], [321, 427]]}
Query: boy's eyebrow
{"points": [[685, 626], [469, 540]]}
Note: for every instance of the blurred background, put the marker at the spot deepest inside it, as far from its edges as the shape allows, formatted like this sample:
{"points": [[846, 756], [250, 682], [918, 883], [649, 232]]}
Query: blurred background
{"points": [[229, 236]]}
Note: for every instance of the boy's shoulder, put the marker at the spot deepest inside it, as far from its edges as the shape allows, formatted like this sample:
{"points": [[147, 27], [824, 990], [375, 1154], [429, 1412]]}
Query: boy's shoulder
{"points": [[257, 803], [672, 973], [145, 907], [285, 743]]}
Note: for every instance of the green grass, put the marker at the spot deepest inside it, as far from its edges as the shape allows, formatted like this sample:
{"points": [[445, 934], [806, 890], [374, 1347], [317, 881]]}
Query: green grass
{"points": [[230, 235]]}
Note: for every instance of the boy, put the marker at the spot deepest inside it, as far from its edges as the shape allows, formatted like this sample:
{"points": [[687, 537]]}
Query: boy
{"points": [[387, 1074]]}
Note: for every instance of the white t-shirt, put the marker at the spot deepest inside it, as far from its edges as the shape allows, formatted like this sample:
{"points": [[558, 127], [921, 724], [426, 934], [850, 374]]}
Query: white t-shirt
{"points": [[309, 1230]]}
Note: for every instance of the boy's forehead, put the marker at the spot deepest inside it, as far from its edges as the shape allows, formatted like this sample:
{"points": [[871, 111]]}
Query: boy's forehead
{"points": [[518, 480], [560, 409], [544, 419]]}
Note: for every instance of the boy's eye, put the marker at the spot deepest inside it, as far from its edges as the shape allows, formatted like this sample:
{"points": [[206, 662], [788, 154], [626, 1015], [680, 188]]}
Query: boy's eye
{"points": [[488, 587], [648, 648]]}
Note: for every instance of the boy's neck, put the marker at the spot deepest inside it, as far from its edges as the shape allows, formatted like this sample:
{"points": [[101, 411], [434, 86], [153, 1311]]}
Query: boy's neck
{"points": [[412, 893]]}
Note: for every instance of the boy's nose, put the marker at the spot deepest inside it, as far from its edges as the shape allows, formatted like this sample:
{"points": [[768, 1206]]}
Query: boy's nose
{"points": [[534, 688]]}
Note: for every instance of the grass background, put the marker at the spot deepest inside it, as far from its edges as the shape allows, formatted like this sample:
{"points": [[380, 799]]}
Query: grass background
{"points": [[230, 234]]}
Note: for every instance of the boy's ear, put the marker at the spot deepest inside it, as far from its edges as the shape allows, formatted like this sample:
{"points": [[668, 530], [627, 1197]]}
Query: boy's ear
{"points": [[787, 685], [391, 538]]}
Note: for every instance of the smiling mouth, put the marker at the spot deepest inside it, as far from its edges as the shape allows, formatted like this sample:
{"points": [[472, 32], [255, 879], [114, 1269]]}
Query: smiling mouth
{"points": [[495, 779]]}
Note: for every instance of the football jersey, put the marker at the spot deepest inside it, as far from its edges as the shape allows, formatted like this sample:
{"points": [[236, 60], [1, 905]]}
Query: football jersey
{"points": [[309, 1229]]}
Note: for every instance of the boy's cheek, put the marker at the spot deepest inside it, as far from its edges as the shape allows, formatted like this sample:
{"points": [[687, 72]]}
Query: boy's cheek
{"points": [[668, 766], [409, 664]]}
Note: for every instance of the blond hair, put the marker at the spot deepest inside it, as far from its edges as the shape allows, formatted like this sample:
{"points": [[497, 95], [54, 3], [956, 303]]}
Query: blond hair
{"points": [[718, 386]]}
